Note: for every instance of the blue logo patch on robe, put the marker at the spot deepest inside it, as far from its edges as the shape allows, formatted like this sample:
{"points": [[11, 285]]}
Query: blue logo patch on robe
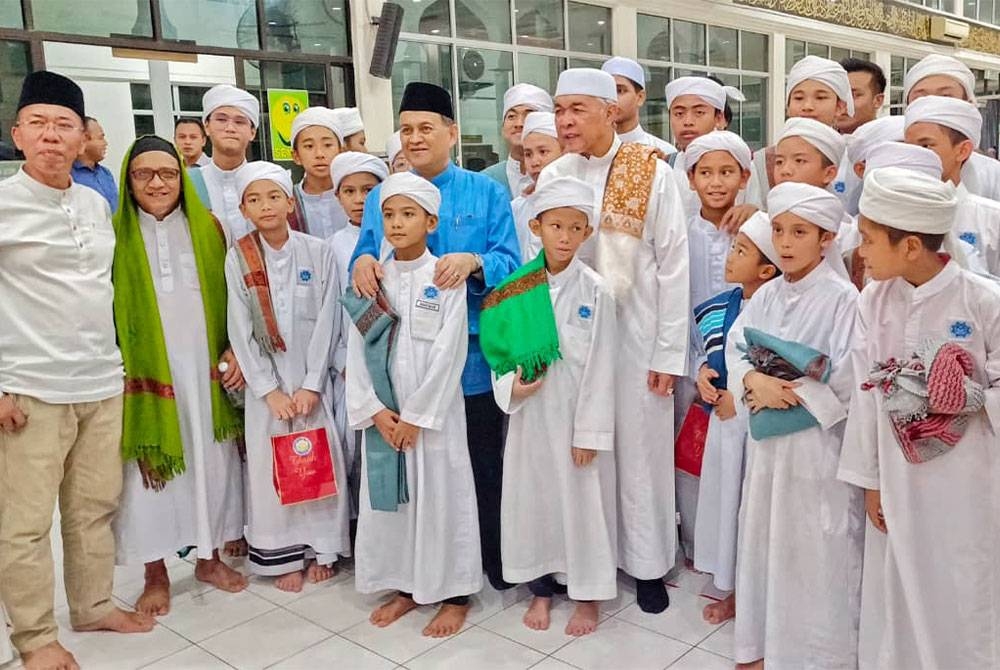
{"points": [[585, 312], [305, 276], [969, 237], [960, 329], [430, 292], [839, 187]]}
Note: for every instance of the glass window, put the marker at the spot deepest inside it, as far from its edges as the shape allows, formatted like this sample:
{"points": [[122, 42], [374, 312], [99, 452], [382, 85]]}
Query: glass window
{"points": [[144, 124], [426, 18], [263, 75], [141, 96], [821, 50], [102, 17], [753, 48], [654, 37], [231, 24], [10, 14], [15, 64], [589, 28], [486, 21], [542, 71], [653, 114], [420, 62], [540, 23], [838, 54], [863, 55], [896, 71], [795, 50], [189, 99], [723, 47], [307, 26], [753, 112], [985, 13], [483, 77], [585, 62], [689, 42], [970, 9]]}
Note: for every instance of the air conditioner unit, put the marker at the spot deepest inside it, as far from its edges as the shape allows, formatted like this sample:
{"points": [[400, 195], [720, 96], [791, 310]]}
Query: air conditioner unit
{"points": [[948, 30]]}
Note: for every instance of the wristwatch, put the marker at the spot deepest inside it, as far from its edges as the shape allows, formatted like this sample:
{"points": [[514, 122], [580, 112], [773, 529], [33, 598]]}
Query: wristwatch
{"points": [[479, 263]]}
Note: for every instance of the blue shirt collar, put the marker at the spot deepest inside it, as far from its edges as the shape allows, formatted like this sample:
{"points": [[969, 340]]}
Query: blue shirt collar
{"points": [[445, 176]]}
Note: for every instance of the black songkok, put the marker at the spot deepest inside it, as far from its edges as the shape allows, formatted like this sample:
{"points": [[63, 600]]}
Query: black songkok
{"points": [[49, 88], [420, 96]]}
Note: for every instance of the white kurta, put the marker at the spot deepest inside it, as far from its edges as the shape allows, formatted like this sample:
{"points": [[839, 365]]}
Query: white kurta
{"points": [[323, 214], [6, 650], [638, 134], [203, 506], [847, 186], [653, 330], [689, 197], [981, 175], [225, 199], [429, 547], [798, 575], [937, 588], [977, 222], [556, 517], [343, 242], [529, 243], [304, 293], [517, 181]]}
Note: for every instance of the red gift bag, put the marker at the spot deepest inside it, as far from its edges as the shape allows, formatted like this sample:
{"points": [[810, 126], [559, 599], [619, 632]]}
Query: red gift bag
{"points": [[689, 447], [303, 466]]}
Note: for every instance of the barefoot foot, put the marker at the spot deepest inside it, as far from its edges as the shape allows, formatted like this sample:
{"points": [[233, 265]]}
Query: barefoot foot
{"points": [[584, 619], [155, 598], [219, 575], [448, 621], [388, 612], [537, 616], [52, 656], [292, 582], [317, 573], [720, 612], [236, 548], [120, 621], [756, 665]]}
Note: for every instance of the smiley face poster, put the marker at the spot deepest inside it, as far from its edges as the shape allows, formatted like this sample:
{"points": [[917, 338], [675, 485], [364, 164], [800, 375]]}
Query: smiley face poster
{"points": [[283, 106]]}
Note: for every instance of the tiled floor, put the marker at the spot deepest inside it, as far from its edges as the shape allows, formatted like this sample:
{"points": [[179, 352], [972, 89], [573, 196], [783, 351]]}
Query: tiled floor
{"points": [[327, 626]]}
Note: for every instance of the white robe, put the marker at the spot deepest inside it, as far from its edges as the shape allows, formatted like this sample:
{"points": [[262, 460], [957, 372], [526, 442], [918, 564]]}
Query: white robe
{"points": [[6, 650], [343, 242], [225, 200], [847, 186], [323, 213], [689, 197], [638, 134], [529, 243], [653, 322], [759, 185], [556, 517], [798, 574], [304, 294], [981, 175], [517, 181], [203, 506], [937, 583], [977, 222], [429, 547]]}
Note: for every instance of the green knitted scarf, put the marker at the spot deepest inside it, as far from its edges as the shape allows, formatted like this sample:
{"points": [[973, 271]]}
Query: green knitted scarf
{"points": [[517, 326], [151, 428]]}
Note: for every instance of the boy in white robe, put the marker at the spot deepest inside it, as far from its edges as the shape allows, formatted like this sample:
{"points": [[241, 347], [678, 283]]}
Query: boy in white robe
{"points": [[540, 144], [518, 101], [421, 538], [558, 508], [352, 129], [316, 140], [800, 539], [751, 262], [354, 175], [394, 154], [283, 315], [932, 504]]}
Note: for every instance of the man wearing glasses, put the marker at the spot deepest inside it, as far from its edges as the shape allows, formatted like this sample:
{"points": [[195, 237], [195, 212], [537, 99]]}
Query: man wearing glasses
{"points": [[60, 383]]}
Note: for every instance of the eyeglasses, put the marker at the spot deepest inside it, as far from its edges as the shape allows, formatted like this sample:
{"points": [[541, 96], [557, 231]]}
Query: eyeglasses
{"points": [[224, 120], [146, 174], [63, 127]]}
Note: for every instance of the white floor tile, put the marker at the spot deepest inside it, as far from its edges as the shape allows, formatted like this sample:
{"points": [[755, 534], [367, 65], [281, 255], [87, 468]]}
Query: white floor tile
{"points": [[510, 624], [129, 581], [697, 659], [720, 642], [682, 620], [335, 606], [335, 652], [489, 601], [626, 596], [619, 644], [192, 658], [200, 616], [399, 641], [263, 641], [689, 580], [477, 648], [114, 651], [552, 663]]}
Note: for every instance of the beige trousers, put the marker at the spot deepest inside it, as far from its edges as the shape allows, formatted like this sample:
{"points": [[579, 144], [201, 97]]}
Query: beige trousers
{"points": [[69, 453]]}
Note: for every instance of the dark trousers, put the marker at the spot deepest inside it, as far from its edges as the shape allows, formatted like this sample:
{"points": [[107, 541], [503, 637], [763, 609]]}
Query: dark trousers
{"points": [[485, 433]]}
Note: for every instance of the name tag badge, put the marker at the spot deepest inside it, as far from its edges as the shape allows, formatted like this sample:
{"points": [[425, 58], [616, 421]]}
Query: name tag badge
{"points": [[429, 299]]}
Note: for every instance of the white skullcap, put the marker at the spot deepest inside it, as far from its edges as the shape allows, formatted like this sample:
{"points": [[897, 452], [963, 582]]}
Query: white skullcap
{"points": [[625, 67], [225, 95], [349, 120], [942, 65], [393, 146], [710, 91], [825, 71], [758, 229], [903, 199], [417, 189], [259, 170], [539, 122], [563, 192], [352, 162], [815, 205], [316, 116], [587, 81], [949, 112], [827, 141], [871, 134], [909, 156], [529, 95], [718, 140]]}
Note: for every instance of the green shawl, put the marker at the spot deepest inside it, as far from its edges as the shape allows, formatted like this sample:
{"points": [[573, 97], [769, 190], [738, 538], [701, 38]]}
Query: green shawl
{"points": [[517, 326], [151, 428]]}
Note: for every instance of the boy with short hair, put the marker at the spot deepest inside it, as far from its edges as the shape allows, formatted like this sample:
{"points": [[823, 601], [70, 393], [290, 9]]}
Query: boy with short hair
{"points": [[807, 152], [928, 463], [800, 541], [283, 315], [518, 101], [540, 146], [418, 525], [752, 261], [316, 141], [549, 334], [630, 82]]}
